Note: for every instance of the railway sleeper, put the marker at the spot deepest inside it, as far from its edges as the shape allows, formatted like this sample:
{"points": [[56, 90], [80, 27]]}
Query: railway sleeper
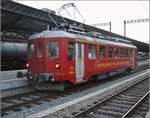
{"points": [[109, 113], [114, 108], [95, 115], [123, 102]]}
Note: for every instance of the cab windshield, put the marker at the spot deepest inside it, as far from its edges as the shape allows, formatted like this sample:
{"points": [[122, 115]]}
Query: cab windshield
{"points": [[53, 49]]}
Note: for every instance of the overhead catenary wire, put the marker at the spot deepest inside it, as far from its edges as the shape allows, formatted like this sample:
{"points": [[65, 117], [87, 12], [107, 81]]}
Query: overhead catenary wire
{"points": [[134, 21]]}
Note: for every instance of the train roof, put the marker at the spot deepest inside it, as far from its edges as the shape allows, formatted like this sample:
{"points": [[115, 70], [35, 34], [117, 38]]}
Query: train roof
{"points": [[65, 34]]}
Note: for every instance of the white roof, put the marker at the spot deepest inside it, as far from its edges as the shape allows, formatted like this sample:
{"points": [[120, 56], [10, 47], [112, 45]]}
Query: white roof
{"points": [[51, 34], [55, 34]]}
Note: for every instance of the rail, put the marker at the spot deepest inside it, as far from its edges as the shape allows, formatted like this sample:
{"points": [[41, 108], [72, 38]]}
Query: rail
{"points": [[136, 104]]}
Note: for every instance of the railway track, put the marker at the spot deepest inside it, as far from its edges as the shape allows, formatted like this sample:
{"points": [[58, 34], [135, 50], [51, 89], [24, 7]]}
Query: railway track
{"points": [[120, 105], [15, 103], [140, 109]]}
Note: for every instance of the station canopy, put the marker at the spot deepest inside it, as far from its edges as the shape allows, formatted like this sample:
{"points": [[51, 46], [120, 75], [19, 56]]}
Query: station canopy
{"points": [[19, 21]]}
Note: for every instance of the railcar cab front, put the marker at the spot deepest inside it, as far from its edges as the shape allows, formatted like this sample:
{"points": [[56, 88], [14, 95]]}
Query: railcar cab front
{"points": [[44, 60], [51, 59]]}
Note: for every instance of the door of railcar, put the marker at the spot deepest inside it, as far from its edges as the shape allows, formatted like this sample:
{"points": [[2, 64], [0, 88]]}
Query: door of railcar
{"points": [[132, 57], [79, 61]]}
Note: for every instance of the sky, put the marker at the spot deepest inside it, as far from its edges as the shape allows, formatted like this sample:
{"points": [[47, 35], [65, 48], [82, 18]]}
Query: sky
{"points": [[105, 11]]}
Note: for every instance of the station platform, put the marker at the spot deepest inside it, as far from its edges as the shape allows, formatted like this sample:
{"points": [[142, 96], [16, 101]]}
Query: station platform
{"points": [[8, 75], [9, 80], [143, 62], [11, 85], [15, 86]]}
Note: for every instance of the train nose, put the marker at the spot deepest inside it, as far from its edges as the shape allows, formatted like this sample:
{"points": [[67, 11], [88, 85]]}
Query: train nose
{"points": [[45, 77]]}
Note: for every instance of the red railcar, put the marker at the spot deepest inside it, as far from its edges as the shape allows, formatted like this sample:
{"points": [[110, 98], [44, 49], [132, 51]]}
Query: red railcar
{"points": [[60, 57]]}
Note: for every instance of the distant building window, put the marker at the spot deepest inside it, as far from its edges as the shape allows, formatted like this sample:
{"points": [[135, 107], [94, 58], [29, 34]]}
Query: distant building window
{"points": [[92, 51], [39, 49], [31, 50], [53, 49], [102, 52], [110, 52]]}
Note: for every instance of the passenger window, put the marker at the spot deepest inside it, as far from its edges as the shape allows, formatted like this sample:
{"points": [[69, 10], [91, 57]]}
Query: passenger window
{"points": [[121, 52], [31, 50], [53, 49], [116, 53], [71, 51], [102, 52], [110, 52], [40, 49], [92, 51], [126, 52]]}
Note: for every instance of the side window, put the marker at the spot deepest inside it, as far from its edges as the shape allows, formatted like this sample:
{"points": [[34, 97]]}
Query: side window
{"points": [[71, 52], [110, 52], [126, 52], [102, 50], [31, 50], [121, 52], [92, 51], [39, 50], [116, 53], [53, 49]]}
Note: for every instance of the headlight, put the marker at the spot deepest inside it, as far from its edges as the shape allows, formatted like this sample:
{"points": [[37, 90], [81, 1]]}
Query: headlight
{"points": [[52, 79], [57, 65], [27, 65]]}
